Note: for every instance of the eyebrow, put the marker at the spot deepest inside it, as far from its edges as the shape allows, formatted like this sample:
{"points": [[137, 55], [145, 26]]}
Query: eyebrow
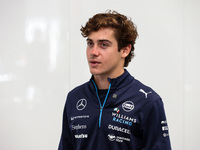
{"points": [[102, 40]]}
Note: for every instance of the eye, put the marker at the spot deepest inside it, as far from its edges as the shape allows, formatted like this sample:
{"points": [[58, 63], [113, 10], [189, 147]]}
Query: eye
{"points": [[104, 45], [89, 43]]}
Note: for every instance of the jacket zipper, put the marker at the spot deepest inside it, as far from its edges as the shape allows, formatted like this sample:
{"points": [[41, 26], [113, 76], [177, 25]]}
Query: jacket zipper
{"points": [[101, 106]]}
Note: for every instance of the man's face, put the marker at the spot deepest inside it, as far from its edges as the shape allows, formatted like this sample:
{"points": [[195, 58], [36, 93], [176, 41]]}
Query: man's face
{"points": [[103, 56]]}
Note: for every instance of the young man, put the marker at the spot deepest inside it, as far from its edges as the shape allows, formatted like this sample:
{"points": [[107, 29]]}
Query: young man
{"points": [[113, 110]]}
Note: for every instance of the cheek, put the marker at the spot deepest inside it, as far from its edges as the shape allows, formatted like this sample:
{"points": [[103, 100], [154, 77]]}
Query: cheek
{"points": [[109, 59]]}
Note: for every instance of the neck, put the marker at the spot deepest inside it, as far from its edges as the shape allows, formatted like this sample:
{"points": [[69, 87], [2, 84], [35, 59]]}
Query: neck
{"points": [[102, 81]]}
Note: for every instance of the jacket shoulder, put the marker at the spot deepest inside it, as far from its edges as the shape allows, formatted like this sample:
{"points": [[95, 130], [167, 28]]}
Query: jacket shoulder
{"points": [[78, 89], [145, 91]]}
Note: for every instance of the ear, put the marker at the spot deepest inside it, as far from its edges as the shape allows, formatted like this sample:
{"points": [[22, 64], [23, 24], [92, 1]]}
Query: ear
{"points": [[125, 51]]}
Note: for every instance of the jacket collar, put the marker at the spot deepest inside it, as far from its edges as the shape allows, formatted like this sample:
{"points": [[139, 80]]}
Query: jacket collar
{"points": [[119, 82]]}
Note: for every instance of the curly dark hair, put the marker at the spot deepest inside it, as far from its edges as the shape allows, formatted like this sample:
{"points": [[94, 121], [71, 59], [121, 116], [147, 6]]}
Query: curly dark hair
{"points": [[125, 30]]}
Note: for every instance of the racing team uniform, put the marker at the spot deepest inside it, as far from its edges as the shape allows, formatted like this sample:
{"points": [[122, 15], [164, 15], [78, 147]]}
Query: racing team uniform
{"points": [[130, 116]]}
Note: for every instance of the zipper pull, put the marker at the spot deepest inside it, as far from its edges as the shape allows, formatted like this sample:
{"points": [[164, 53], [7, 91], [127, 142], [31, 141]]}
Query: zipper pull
{"points": [[101, 109]]}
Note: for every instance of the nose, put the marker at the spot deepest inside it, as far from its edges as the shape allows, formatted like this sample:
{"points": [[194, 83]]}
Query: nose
{"points": [[94, 51]]}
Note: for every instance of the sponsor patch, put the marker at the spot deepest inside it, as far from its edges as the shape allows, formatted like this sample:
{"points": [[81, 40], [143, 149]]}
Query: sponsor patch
{"points": [[128, 106], [79, 117], [145, 93], [119, 129], [165, 134], [78, 127], [113, 138], [81, 104], [165, 128], [81, 136], [164, 122]]}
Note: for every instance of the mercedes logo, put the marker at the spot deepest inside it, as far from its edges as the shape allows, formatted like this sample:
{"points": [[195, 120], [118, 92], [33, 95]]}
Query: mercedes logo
{"points": [[81, 104]]}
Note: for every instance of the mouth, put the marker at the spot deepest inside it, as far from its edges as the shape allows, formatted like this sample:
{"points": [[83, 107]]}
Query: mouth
{"points": [[94, 63]]}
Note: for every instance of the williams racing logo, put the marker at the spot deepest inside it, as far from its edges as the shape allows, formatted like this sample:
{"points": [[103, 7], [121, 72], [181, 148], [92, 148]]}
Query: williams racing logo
{"points": [[123, 119], [116, 110]]}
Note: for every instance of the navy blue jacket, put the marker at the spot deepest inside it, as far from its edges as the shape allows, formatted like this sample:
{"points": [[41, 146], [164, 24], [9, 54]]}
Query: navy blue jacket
{"points": [[131, 117]]}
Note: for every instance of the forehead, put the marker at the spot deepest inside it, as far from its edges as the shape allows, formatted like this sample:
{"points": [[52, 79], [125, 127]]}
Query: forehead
{"points": [[103, 33]]}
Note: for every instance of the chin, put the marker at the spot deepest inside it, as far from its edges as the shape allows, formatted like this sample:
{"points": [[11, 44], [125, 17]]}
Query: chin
{"points": [[95, 72]]}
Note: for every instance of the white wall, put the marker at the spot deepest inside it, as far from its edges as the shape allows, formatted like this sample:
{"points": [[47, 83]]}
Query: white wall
{"points": [[42, 57]]}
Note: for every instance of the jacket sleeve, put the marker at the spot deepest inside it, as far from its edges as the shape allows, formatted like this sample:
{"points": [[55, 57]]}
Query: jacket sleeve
{"points": [[155, 129], [66, 137]]}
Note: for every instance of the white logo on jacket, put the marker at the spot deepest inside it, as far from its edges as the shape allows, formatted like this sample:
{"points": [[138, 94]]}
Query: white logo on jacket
{"points": [[111, 137], [128, 106], [145, 93], [81, 136], [81, 104], [119, 139]]}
